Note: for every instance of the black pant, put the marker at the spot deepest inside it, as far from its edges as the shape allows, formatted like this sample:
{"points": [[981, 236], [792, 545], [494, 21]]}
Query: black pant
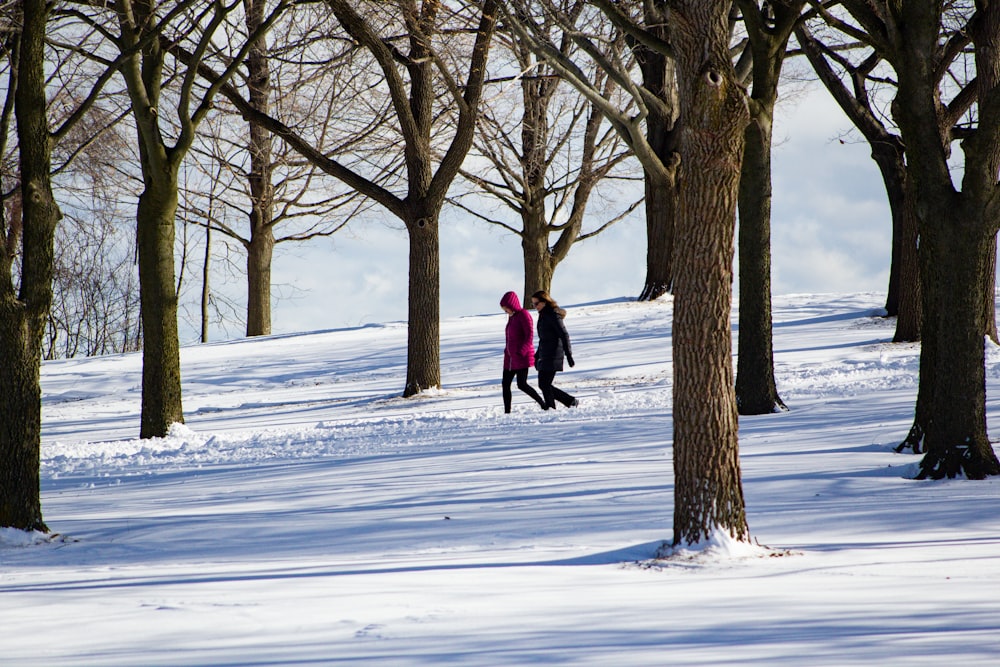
{"points": [[552, 393], [522, 383]]}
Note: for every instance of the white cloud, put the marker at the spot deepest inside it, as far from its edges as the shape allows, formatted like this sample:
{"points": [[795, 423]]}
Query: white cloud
{"points": [[831, 227]]}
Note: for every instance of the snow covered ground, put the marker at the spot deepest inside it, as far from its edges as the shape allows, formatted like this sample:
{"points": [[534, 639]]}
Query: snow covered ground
{"points": [[308, 515]]}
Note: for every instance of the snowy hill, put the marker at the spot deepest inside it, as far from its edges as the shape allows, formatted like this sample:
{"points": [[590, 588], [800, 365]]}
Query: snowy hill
{"points": [[308, 515]]}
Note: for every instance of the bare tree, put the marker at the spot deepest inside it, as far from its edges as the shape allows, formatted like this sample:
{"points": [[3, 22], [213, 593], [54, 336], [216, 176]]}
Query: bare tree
{"points": [[29, 223], [414, 52], [659, 80], [957, 227], [24, 308], [713, 117], [708, 493], [768, 27], [164, 136], [550, 150], [650, 129], [261, 193], [95, 281], [413, 103], [95, 308], [260, 245]]}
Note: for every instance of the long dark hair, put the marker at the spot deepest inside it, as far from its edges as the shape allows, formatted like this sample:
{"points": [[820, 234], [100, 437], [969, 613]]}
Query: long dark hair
{"points": [[544, 297]]}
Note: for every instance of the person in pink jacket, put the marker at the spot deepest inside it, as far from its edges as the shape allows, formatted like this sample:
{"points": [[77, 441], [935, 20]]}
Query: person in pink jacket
{"points": [[519, 353]]}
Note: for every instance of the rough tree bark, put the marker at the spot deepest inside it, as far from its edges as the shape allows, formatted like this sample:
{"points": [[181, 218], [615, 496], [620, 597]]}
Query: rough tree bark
{"points": [[908, 303], [708, 492], [23, 315], [957, 228], [769, 28]]}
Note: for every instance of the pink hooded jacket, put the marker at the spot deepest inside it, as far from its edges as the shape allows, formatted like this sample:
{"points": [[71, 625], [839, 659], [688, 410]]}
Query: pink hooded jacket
{"points": [[520, 350]]}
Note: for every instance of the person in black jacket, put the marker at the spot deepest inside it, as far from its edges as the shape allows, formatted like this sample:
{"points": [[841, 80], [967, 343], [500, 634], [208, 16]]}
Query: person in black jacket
{"points": [[553, 347]]}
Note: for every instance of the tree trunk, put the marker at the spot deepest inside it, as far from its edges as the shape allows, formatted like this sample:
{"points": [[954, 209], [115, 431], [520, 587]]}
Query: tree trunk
{"points": [[206, 291], [957, 235], [888, 155], [22, 318], [260, 251], [423, 370], [661, 214], [659, 78], [769, 26], [903, 296], [261, 247], [910, 312], [989, 294], [892, 292], [955, 435], [756, 391], [20, 421], [536, 96], [538, 265], [708, 493], [161, 364]]}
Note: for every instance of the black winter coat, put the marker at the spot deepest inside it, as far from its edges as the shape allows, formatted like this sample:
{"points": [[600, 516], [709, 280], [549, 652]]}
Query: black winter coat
{"points": [[553, 340]]}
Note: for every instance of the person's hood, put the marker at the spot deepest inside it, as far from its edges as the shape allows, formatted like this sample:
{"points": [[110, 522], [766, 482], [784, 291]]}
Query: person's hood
{"points": [[511, 301]]}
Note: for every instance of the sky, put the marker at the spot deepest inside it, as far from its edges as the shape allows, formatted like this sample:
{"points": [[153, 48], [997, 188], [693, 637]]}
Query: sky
{"points": [[831, 232], [306, 514]]}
